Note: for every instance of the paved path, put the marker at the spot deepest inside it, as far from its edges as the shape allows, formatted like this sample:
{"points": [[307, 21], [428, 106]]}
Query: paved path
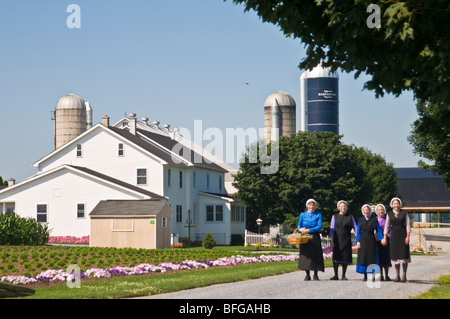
{"points": [[421, 273]]}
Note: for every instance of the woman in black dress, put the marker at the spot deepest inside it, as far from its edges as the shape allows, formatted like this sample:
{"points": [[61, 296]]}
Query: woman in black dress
{"points": [[397, 222], [366, 241], [342, 224]]}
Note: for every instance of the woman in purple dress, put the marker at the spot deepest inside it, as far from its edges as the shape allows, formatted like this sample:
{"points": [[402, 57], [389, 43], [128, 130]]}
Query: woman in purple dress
{"points": [[383, 250]]}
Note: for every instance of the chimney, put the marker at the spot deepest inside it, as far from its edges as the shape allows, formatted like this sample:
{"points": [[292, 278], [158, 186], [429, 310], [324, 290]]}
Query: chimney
{"points": [[132, 123], [145, 120], [11, 182], [105, 120]]}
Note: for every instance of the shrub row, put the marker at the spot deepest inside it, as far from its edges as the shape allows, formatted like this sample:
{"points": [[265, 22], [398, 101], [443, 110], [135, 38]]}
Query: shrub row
{"points": [[16, 230]]}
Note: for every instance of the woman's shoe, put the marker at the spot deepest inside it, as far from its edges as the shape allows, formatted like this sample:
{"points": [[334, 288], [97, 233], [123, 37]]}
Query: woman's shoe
{"points": [[344, 278], [315, 277], [334, 278], [307, 278]]}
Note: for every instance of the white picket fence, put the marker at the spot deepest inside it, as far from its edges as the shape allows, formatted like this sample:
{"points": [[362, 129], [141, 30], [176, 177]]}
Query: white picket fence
{"points": [[251, 239]]}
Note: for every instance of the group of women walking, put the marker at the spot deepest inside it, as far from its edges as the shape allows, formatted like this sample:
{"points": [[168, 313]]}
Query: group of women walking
{"points": [[382, 240]]}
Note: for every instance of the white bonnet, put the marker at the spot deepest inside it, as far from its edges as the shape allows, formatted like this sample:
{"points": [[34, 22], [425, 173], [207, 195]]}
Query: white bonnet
{"points": [[311, 200], [384, 208], [370, 208], [396, 198], [341, 201]]}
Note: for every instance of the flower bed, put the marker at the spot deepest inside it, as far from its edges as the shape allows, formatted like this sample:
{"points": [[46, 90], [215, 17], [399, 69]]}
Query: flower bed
{"points": [[69, 239], [52, 276]]}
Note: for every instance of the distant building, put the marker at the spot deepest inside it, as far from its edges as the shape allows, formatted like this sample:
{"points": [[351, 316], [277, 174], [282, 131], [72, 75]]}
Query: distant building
{"points": [[424, 195]]}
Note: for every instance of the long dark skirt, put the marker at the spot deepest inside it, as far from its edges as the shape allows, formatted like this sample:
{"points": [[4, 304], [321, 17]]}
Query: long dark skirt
{"points": [[342, 251], [384, 254], [311, 255]]}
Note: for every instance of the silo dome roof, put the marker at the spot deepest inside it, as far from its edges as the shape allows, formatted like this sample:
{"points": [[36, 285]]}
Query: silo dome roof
{"points": [[71, 101], [320, 72], [283, 99]]}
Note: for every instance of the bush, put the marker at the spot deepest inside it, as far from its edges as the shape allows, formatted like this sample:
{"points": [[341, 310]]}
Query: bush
{"points": [[16, 230], [208, 241]]}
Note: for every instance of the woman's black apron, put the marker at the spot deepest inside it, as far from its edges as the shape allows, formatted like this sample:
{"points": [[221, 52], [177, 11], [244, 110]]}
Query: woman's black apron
{"points": [[398, 248], [311, 255], [342, 251], [367, 254]]}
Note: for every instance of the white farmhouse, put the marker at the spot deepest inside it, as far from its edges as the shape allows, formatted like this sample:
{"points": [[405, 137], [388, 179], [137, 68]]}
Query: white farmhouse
{"points": [[130, 160]]}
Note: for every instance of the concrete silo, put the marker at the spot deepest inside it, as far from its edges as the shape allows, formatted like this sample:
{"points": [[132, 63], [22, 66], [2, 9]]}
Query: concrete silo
{"points": [[70, 119], [280, 115], [319, 100]]}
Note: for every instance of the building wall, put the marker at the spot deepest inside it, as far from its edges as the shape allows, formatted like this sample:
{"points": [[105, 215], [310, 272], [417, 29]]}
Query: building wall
{"points": [[100, 153], [195, 180], [215, 227], [62, 191], [122, 232]]}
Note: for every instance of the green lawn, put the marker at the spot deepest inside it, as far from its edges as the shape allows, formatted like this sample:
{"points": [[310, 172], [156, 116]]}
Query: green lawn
{"points": [[441, 291]]}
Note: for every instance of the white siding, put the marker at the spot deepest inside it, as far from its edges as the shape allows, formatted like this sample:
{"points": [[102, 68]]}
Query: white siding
{"points": [[61, 191], [100, 153]]}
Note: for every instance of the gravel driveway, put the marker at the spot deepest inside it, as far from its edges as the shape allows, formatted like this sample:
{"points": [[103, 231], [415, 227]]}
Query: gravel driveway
{"points": [[421, 272]]}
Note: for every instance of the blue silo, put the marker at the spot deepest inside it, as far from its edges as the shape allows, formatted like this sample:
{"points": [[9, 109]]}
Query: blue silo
{"points": [[319, 100]]}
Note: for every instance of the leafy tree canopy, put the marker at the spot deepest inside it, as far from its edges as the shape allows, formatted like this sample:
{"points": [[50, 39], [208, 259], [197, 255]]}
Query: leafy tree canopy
{"points": [[409, 51]]}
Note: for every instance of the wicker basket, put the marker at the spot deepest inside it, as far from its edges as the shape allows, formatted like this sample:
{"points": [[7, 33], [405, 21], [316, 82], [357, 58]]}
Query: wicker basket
{"points": [[296, 238]]}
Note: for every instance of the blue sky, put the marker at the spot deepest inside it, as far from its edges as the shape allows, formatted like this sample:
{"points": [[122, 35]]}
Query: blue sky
{"points": [[174, 61]]}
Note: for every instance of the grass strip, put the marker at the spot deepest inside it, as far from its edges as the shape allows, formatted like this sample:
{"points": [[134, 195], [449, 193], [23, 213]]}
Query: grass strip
{"points": [[441, 291], [145, 285]]}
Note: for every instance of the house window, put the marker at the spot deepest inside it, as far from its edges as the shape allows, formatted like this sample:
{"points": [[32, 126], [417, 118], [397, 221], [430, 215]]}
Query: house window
{"points": [[219, 213], [209, 213], [120, 150], [79, 151], [220, 182], [181, 179], [237, 213], [7, 208], [80, 210], [207, 180], [163, 222], [169, 177], [179, 214], [41, 213], [141, 176], [214, 213]]}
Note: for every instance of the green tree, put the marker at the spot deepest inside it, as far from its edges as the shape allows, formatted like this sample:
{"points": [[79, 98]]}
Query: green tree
{"points": [[380, 177], [430, 137], [208, 241], [409, 51], [313, 165]]}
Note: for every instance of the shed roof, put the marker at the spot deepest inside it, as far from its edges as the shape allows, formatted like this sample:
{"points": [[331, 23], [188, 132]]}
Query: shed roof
{"points": [[146, 207]]}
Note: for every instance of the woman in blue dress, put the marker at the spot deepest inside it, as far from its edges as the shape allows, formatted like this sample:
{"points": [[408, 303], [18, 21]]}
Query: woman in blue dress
{"points": [[311, 255], [367, 242]]}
